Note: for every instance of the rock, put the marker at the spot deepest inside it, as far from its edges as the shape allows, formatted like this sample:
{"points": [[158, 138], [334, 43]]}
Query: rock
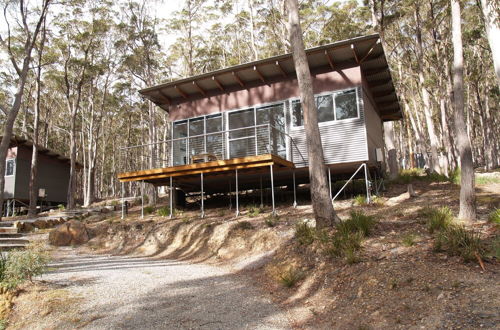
{"points": [[40, 224], [27, 227], [70, 233]]}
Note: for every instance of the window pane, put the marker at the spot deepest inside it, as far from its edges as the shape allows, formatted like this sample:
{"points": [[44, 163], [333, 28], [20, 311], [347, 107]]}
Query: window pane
{"points": [[196, 126], [325, 108], [9, 169], [273, 141], [345, 105], [239, 119], [179, 150], [242, 148], [214, 123], [180, 129], [297, 115]]}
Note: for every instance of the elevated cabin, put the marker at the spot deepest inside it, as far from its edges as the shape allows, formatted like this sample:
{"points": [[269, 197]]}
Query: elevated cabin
{"points": [[53, 176], [249, 117]]}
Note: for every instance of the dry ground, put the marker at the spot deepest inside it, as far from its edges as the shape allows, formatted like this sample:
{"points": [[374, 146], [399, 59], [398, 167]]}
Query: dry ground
{"points": [[392, 286]]}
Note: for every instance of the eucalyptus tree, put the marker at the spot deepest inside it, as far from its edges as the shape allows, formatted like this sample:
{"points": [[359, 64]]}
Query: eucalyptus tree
{"points": [[322, 205], [28, 22], [491, 15]]}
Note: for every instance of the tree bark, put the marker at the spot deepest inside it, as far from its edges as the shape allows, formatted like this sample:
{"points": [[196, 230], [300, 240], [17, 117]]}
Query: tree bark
{"points": [[320, 195], [491, 18], [391, 150], [467, 192], [23, 75]]}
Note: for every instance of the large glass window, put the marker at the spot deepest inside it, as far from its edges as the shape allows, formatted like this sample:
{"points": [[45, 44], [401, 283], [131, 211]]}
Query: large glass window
{"points": [[10, 167], [274, 116], [241, 141], [336, 106], [215, 141], [180, 130], [345, 105]]}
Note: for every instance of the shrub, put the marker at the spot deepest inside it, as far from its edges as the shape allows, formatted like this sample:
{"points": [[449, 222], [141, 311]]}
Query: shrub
{"points": [[495, 247], [3, 266], [149, 209], [291, 276], [304, 233], [409, 175], [439, 219], [22, 265], [61, 207], [494, 217], [455, 176], [254, 211], [457, 240], [243, 225], [164, 211], [272, 220], [360, 200]]}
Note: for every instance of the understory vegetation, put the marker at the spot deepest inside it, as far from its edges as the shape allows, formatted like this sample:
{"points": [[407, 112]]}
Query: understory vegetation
{"points": [[22, 265], [344, 242]]}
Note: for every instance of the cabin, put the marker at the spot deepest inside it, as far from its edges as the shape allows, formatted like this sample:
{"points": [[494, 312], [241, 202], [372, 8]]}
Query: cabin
{"points": [[53, 176], [242, 127]]}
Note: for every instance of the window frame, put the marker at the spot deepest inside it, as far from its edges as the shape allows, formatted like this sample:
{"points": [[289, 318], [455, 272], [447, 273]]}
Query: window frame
{"points": [[329, 122], [6, 167]]}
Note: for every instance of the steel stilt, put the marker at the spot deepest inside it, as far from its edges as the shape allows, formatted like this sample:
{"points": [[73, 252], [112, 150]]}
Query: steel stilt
{"points": [[171, 198], [272, 188], [237, 197], [202, 198], [294, 191]]}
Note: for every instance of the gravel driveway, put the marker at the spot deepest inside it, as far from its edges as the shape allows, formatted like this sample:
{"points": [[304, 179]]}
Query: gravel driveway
{"points": [[142, 293]]}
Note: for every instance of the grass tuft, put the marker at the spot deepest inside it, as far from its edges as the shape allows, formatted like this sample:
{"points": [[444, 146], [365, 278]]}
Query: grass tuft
{"points": [[254, 211], [360, 200], [291, 276], [409, 239], [272, 220], [458, 241], [149, 209], [304, 233], [164, 211], [494, 217], [439, 219], [357, 221]]}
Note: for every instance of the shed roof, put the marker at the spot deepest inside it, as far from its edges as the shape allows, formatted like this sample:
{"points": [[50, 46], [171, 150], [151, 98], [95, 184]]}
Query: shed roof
{"points": [[16, 141], [366, 52]]}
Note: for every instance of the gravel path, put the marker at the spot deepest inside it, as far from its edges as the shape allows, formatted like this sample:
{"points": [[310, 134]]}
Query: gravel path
{"points": [[142, 293]]}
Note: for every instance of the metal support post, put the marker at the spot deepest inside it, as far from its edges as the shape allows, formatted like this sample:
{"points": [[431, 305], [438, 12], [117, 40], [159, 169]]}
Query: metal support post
{"points": [[171, 198], [272, 188], [368, 197], [294, 191], [330, 181], [261, 194], [202, 198], [237, 200], [142, 199], [230, 196], [123, 201]]}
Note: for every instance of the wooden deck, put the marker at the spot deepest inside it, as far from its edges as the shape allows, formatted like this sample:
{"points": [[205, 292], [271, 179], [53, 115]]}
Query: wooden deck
{"points": [[249, 164]]}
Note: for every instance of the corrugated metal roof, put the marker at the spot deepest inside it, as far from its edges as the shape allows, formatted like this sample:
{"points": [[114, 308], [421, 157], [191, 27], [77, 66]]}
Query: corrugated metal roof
{"points": [[366, 52]]}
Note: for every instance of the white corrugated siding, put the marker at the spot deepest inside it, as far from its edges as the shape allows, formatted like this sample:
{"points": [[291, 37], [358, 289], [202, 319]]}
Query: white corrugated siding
{"points": [[343, 141]]}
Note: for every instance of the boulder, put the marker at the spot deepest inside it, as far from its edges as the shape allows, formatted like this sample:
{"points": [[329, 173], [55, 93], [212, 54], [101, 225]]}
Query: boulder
{"points": [[40, 224], [27, 227], [70, 233]]}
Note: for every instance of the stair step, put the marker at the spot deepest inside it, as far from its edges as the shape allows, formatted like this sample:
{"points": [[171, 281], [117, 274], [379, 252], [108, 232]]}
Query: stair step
{"points": [[8, 230], [11, 235], [12, 246], [13, 240]]}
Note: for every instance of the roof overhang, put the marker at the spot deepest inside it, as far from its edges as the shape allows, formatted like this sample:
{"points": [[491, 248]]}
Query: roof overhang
{"points": [[16, 141], [366, 52]]}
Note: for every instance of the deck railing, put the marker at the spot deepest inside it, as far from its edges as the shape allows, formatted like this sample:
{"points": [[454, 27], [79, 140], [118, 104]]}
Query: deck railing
{"points": [[227, 144]]}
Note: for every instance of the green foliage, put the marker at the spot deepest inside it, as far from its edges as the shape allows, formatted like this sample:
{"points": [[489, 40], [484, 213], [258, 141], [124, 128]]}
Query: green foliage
{"points": [[495, 247], [304, 233], [360, 200], [357, 222], [439, 219], [457, 240], [3, 324], [480, 180], [409, 239], [22, 265], [243, 225], [272, 220], [409, 175], [164, 211], [494, 217], [347, 240], [291, 276], [454, 176], [149, 209], [3, 266], [61, 207], [254, 211]]}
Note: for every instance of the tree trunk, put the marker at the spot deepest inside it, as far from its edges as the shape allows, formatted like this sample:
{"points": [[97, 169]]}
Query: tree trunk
{"points": [[467, 192], [391, 150], [320, 195], [491, 18]]}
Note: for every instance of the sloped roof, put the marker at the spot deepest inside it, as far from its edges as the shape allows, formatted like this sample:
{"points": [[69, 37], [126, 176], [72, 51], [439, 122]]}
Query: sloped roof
{"points": [[366, 52], [16, 141]]}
